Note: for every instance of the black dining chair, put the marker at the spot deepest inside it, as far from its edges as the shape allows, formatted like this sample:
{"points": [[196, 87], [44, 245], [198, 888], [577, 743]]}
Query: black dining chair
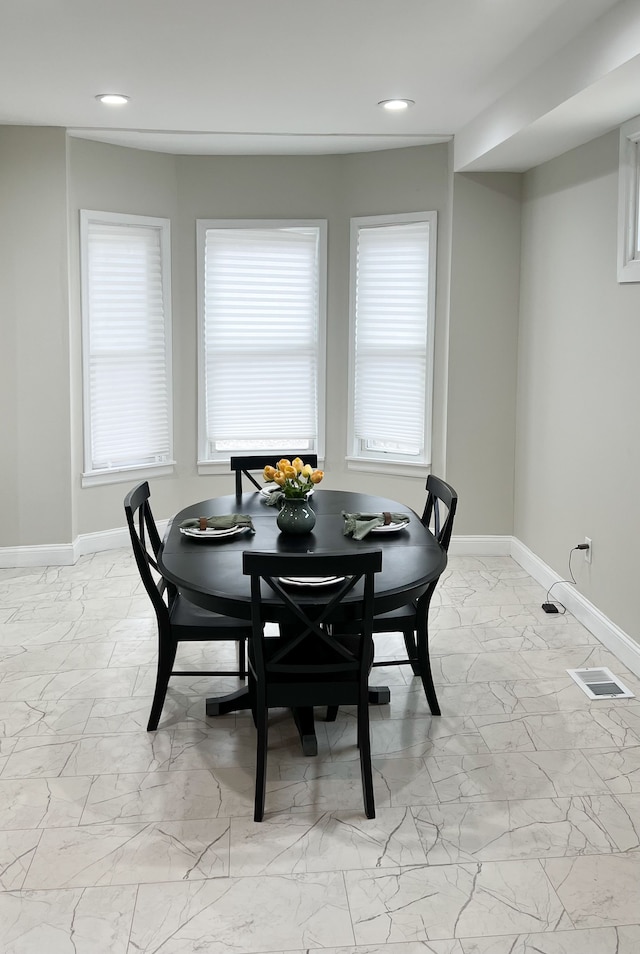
{"points": [[178, 619], [412, 620], [308, 665], [244, 465]]}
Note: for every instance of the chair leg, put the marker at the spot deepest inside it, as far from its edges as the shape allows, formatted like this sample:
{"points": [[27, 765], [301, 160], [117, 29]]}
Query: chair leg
{"points": [[425, 667], [332, 713], [412, 650], [242, 658], [364, 745], [166, 659], [262, 714], [252, 697]]}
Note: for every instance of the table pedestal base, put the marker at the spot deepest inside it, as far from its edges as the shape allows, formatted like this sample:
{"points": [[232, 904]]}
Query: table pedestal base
{"points": [[232, 702], [304, 721], [239, 700], [379, 695]]}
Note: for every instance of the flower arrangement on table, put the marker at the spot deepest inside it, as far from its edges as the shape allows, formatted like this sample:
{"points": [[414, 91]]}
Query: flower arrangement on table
{"points": [[293, 477]]}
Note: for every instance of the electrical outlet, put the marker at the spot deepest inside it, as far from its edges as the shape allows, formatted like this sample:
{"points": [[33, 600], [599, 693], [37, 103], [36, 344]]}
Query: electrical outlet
{"points": [[588, 554]]}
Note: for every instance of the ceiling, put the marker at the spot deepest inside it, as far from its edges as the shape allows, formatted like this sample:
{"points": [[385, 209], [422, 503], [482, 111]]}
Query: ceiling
{"points": [[513, 82]]}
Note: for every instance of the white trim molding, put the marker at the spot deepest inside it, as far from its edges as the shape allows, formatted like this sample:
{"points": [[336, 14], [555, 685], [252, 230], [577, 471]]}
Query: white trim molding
{"points": [[480, 546], [66, 554], [628, 202], [55, 554], [298, 282], [626, 649], [377, 243], [125, 258], [610, 635]]}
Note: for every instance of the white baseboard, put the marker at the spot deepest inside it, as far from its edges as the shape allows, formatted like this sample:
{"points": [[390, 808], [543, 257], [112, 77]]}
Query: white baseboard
{"points": [[60, 554], [610, 635], [480, 546], [626, 649], [66, 554]]}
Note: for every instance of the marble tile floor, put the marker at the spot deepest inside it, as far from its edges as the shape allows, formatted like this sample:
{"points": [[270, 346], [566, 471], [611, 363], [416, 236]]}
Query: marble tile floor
{"points": [[510, 825]]}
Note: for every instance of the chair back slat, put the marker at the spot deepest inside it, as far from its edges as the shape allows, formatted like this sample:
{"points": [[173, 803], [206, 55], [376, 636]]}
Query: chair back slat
{"points": [[312, 646], [440, 509], [144, 532], [244, 465]]}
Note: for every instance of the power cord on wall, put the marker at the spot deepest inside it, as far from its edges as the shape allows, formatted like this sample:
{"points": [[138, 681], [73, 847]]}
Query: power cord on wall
{"points": [[552, 606]]}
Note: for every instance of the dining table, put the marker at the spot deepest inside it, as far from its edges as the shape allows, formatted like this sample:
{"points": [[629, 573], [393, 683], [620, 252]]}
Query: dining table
{"points": [[208, 569]]}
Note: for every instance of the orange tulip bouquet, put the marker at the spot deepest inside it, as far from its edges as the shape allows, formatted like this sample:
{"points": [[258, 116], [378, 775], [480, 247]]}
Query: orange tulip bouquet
{"points": [[294, 477]]}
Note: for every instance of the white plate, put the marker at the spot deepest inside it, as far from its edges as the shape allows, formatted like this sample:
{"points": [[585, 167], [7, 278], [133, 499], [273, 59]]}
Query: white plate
{"points": [[391, 527], [311, 580], [268, 489], [211, 533]]}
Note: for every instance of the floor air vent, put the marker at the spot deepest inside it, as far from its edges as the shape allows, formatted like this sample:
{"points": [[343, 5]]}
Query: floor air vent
{"points": [[600, 684]]}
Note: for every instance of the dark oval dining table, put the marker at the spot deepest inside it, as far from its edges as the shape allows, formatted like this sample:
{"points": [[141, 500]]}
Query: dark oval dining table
{"points": [[208, 572]]}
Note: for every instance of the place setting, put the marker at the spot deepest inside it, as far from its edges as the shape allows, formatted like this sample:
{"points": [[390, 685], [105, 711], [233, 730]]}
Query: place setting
{"points": [[360, 525], [217, 529]]}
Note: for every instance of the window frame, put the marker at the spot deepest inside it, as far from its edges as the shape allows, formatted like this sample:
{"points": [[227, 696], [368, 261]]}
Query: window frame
{"points": [[629, 202], [96, 476], [218, 465], [358, 458]]}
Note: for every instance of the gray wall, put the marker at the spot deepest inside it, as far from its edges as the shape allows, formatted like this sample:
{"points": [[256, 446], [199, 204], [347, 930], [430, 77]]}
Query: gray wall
{"points": [[379, 183], [334, 188], [577, 452], [45, 174], [240, 187], [111, 179], [578, 440], [483, 336], [35, 456], [187, 188]]}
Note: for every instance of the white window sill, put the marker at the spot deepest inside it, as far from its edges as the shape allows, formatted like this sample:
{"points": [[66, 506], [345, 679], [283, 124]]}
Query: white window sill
{"points": [[121, 475], [399, 468], [629, 271]]}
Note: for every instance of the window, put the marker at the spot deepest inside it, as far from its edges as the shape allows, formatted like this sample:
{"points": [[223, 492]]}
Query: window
{"points": [[125, 273], [261, 336], [628, 203], [392, 325]]}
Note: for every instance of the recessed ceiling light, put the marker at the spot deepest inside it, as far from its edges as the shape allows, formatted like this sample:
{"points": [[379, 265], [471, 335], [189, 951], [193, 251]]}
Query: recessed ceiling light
{"points": [[395, 105], [112, 99]]}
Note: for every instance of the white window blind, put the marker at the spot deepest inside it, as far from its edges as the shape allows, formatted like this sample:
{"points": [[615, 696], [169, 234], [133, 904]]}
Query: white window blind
{"points": [[392, 308], [126, 342], [261, 335]]}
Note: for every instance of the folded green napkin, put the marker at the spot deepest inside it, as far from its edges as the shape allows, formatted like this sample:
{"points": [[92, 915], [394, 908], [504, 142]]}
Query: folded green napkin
{"points": [[360, 524], [223, 522], [274, 498]]}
